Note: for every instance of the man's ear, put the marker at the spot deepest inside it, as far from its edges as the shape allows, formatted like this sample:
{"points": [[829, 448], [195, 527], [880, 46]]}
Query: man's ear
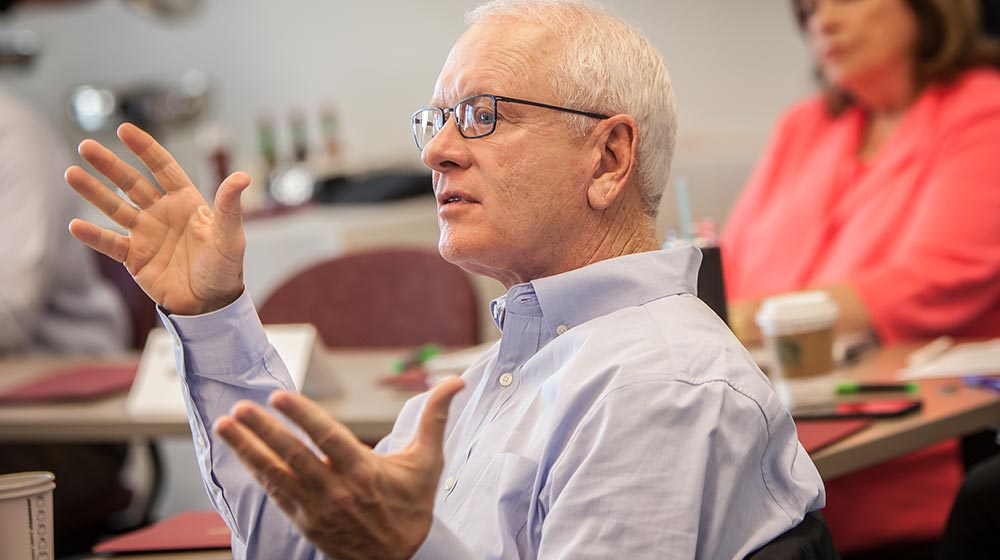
{"points": [[617, 142]]}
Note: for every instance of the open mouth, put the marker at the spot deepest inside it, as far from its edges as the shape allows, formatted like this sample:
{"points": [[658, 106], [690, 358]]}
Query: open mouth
{"points": [[451, 199]]}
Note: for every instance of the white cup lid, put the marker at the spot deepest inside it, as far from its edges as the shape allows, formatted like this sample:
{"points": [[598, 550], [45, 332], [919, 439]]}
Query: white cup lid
{"points": [[19, 485], [796, 313]]}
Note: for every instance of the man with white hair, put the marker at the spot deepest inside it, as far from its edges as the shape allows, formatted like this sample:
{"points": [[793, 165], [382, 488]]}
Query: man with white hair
{"points": [[617, 415]]}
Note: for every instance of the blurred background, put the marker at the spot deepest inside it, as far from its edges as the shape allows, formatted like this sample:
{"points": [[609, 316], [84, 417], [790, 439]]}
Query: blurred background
{"points": [[734, 66]]}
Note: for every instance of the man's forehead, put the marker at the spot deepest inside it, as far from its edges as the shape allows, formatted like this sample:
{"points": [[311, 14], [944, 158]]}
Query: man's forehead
{"points": [[494, 57]]}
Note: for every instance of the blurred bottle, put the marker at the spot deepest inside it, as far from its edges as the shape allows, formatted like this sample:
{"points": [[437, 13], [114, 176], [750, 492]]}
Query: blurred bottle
{"points": [[300, 135]]}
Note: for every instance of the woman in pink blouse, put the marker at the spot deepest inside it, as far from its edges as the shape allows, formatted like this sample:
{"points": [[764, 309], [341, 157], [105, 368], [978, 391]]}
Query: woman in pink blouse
{"points": [[884, 191]]}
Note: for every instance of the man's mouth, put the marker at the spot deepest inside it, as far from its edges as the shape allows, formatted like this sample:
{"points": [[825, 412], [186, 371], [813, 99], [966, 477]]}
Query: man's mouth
{"points": [[453, 197]]}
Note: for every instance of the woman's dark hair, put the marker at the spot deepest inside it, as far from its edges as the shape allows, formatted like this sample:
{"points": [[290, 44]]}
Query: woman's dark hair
{"points": [[951, 41]]}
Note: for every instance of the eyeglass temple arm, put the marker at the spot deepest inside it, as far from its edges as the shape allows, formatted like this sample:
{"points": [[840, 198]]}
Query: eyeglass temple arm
{"points": [[547, 106]]}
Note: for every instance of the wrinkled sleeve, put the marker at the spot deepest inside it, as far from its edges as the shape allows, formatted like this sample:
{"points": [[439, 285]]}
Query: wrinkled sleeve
{"points": [[947, 271], [225, 357], [707, 470]]}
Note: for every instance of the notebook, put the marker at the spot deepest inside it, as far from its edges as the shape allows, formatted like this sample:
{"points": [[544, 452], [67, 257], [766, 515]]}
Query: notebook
{"points": [[76, 383], [189, 530], [814, 435]]}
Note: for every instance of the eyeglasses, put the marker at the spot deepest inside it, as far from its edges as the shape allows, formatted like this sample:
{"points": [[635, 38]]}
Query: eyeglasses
{"points": [[475, 117]]}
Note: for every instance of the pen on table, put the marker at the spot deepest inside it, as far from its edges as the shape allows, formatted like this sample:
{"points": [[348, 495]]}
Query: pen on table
{"points": [[855, 351], [982, 381], [852, 388]]}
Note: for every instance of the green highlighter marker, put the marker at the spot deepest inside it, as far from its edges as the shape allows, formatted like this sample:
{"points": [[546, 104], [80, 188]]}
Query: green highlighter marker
{"points": [[853, 388]]}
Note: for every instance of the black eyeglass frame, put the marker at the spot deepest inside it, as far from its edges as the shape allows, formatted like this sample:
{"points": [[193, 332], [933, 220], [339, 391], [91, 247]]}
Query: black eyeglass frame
{"points": [[495, 98]]}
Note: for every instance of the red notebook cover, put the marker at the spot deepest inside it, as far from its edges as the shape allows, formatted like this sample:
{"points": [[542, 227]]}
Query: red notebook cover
{"points": [[76, 383], [190, 530], [817, 434]]}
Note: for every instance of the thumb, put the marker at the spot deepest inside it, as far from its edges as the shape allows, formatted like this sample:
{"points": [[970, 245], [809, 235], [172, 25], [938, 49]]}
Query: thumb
{"points": [[228, 209], [430, 435]]}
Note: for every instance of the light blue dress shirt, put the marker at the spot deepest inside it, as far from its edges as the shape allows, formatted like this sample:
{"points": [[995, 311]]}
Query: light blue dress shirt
{"points": [[616, 417]]}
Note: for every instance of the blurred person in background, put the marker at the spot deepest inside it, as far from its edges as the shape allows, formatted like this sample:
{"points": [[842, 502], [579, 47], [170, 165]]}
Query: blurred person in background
{"points": [[53, 300], [885, 192]]}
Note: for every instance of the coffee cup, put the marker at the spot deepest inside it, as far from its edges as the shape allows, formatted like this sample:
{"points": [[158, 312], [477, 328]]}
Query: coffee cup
{"points": [[26, 515], [798, 329]]}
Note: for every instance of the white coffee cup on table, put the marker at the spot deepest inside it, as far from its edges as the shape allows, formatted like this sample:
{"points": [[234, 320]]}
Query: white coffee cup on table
{"points": [[26, 515]]}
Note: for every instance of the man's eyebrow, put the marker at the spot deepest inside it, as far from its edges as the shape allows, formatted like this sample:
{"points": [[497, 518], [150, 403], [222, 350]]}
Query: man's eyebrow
{"points": [[466, 93]]}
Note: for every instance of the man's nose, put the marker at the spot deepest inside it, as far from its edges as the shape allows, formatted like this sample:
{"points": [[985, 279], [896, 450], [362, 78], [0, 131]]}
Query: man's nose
{"points": [[446, 150]]}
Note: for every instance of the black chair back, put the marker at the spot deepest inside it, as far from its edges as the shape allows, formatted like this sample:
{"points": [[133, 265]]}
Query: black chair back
{"points": [[809, 540]]}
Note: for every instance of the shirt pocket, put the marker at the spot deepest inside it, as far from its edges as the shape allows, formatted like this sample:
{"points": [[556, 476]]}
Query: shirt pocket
{"points": [[494, 504]]}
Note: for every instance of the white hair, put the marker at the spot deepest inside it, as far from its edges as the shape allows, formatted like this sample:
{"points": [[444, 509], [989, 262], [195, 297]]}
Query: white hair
{"points": [[606, 66]]}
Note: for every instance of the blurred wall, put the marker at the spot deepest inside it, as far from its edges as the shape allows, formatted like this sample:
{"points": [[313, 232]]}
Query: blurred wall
{"points": [[734, 64]]}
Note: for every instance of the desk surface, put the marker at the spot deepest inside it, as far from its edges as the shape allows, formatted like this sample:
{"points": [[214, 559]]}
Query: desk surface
{"points": [[950, 409], [361, 403]]}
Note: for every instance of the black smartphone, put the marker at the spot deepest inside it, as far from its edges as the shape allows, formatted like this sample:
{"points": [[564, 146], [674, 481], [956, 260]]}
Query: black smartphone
{"points": [[875, 408]]}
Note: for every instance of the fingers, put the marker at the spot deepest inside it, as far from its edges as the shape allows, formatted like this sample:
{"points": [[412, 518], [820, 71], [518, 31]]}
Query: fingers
{"points": [[270, 471], [113, 206], [299, 458], [99, 239], [430, 434], [164, 167], [138, 189], [341, 447]]}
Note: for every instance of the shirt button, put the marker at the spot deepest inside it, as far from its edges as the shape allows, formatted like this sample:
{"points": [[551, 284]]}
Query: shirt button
{"points": [[506, 379], [449, 484], [201, 441], [561, 329]]}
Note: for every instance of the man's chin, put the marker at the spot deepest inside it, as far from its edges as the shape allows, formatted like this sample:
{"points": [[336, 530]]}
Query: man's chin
{"points": [[471, 257]]}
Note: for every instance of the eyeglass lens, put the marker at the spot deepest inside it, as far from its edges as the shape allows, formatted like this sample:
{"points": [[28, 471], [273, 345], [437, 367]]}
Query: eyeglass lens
{"points": [[475, 117]]}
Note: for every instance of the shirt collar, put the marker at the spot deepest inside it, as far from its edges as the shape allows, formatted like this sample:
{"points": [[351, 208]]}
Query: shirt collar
{"points": [[575, 297]]}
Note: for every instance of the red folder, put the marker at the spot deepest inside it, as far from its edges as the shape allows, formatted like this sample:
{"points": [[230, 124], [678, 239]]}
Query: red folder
{"points": [[77, 383], [817, 434], [190, 530]]}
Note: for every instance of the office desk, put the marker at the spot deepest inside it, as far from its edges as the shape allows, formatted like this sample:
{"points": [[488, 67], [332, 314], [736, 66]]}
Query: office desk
{"points": [[361, 403], [950, 409]]}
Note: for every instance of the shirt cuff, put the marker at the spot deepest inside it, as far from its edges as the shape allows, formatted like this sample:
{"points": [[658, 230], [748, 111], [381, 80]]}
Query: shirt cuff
{"points": [[442, 543], [224, 342]]}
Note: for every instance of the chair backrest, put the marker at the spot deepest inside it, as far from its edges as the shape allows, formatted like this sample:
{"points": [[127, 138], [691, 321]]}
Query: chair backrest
{"points": [[380, 298], [809, 540], [141, 309]]}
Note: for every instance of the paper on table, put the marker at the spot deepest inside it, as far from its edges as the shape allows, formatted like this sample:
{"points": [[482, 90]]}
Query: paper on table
{"points": [[970, 358], [456, 362]]}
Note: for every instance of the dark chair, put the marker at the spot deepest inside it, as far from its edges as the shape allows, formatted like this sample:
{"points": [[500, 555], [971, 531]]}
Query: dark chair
{"points": [[141, 309], [380, 298], [809, 540]]}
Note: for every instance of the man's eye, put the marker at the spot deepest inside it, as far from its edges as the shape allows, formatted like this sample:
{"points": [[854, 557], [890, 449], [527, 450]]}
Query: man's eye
{"points": [[485, 117]]}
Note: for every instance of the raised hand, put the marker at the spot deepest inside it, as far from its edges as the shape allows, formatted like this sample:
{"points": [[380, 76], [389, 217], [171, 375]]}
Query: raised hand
{"points": [[186, 256], [352, 503]]}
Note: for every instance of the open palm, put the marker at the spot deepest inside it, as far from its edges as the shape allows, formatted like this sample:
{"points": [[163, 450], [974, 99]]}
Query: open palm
{"points": [[186, 256]]}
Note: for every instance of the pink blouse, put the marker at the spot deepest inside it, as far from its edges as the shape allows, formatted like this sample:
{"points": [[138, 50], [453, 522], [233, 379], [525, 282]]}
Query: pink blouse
{"points": [[915, 230]]}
